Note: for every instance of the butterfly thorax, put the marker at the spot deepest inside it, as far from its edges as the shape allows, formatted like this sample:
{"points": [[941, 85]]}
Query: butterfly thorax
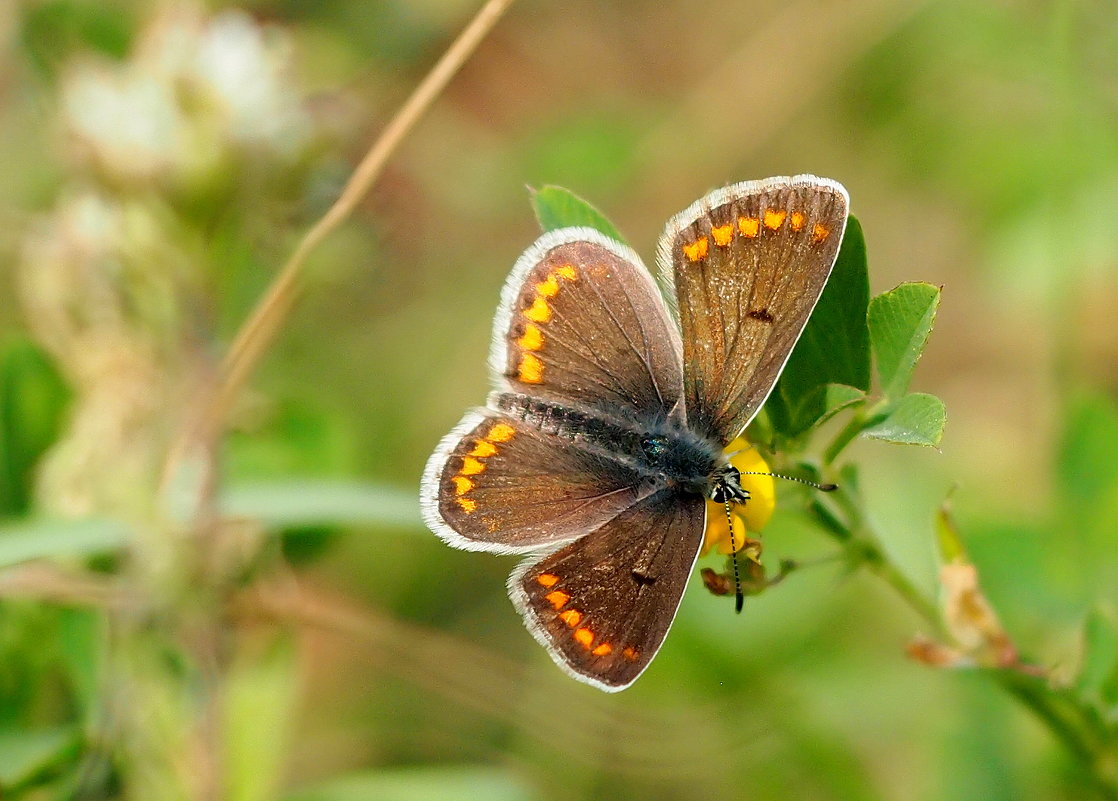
{"points": [[659, 447]]}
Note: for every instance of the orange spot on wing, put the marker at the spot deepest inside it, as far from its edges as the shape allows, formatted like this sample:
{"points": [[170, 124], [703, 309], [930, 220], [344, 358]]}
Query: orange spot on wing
{"points": [[819, 232], [549, 287], [462, 485], [539, 311], [797, 220], [557, 598], [584, 637], [566, 271], [468, 505], [630, 653], [774, 218], [502, 432], [532, 338], [749, 226], [696, 250], [572, 617], [483, 449], [530, 369], [547, 579], [722, 234], [603, 650], [471, 466]]}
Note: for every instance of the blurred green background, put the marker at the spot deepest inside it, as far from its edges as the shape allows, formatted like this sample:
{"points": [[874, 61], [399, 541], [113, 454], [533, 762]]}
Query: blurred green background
{"points": [[160, 161]]}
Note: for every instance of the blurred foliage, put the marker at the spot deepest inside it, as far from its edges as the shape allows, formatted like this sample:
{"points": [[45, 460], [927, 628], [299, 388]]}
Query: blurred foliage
{"points": [[300, 635]]}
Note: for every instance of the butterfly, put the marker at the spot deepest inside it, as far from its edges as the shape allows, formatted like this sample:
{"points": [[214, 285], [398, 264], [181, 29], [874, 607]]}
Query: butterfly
{"points": [[604, 437]]}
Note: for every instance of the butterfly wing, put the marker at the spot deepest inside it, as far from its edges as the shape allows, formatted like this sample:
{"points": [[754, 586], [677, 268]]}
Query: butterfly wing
{"points": [[603, 604], [747, 264], [582, 323], [497, 484], [581, 326]]}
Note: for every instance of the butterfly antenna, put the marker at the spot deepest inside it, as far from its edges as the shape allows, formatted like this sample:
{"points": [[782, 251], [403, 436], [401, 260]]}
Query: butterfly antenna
{"points": [[739, 596], [820, 487]]}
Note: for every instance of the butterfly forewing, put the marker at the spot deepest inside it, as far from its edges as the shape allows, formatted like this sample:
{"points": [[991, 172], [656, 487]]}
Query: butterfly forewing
{"points": [[603, 604], [498, 484], [747, 265], [581, 322]]}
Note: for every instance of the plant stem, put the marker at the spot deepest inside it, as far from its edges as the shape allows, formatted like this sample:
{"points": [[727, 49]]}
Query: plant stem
{"points": [[1071, 719], [892, 575], [1085, 736], [844, 437], [862, 539]]}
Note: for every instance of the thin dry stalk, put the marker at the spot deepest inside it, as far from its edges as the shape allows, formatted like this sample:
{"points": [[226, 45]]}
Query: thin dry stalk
{"points": [[260, 329]]}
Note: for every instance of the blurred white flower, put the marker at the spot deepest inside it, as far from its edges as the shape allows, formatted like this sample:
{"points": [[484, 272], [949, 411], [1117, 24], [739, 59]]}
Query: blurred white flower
{"points": [[244, 70], [128, 121], [195, 91]]}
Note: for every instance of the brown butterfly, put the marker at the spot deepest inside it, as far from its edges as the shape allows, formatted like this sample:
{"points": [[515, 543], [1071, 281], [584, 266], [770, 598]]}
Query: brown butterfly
{"points": [[603, 439]]}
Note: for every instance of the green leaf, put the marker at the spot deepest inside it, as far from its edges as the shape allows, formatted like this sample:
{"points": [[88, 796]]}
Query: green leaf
{"points": [[278, 504], [33, 400], [421, 784], [1098, 672], [39, 539], [834, 348], [823, 403], [54, 31], [557, 208], [917, 419], [951, 548], [24, 754], [900, 322], [287, 504]]}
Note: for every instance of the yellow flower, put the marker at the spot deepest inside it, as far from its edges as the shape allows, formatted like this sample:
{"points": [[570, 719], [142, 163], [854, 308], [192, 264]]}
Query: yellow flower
{"points": [[750, 517]]}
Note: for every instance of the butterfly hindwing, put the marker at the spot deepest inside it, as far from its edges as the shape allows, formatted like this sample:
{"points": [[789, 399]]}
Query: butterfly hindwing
{"points": [[498, 484], [582, 323], [747, 265], [603, 604]]}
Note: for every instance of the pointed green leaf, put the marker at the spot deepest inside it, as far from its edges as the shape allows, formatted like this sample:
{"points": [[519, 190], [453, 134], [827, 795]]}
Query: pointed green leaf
{"points": [[421, 784], [834, 348], [917, 419], [557, 208], [40, 539], [951, 548], [277, 504], [900, 322], [309, 502]]}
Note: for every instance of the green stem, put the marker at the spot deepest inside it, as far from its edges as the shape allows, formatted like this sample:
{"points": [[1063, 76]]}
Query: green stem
{"points": [[859, 422], [1072, 720], [1074, 724], [844, 437], [877, 562]]}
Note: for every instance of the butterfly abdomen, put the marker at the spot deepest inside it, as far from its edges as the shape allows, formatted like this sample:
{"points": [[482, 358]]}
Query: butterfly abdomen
{"points": [[658, 449]]}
